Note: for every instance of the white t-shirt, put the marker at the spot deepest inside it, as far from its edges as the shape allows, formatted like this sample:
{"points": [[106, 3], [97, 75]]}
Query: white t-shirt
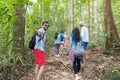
{"points": [[85, 34]]}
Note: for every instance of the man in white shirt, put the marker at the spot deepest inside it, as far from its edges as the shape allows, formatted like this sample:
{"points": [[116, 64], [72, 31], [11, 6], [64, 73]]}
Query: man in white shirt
{"points": [[85, 37]]}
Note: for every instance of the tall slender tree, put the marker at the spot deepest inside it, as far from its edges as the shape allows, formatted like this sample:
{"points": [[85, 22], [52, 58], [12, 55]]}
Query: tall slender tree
{"points": [[97, 14], [93, 12], [89, 15], [72, 13]]}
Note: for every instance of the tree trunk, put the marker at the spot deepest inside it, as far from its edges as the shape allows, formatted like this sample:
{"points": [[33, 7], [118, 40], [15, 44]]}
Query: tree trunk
{"points": [[89, 15], [72, 13], [67, 17], [54, 15], [70, 16], [19, 30], [41, 10], [93, 12], [110, 27], [97, 14]]}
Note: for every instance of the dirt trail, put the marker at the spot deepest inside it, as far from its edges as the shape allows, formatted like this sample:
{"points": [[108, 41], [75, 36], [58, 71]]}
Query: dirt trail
{"points": [[60, 68]]}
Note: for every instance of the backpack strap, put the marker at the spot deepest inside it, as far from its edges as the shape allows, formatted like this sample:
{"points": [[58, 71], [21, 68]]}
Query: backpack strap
{"points": [[41, 36]]}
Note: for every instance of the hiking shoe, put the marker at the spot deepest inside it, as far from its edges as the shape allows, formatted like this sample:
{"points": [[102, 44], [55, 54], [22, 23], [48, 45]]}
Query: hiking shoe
{"points": [[77, 78], [57, 55]]}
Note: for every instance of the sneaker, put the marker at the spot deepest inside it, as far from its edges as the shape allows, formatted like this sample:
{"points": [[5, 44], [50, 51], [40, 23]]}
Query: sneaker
{"points": [[57, 55], [77, 78]]}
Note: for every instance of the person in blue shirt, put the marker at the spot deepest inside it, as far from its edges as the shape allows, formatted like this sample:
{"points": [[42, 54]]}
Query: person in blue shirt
{"points": [[61, 37], [74, 38], [56, 44]]}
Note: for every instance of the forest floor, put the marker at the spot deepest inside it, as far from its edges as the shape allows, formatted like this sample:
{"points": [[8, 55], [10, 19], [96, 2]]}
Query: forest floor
{"points": [[60, 68]]}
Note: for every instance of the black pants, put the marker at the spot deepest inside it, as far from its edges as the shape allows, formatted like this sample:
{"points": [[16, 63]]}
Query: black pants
{"points": [[76, 65]]}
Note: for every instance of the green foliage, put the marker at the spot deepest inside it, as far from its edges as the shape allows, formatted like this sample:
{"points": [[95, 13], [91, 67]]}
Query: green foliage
{"points": [[10, 62], [58, 14], [97, 37], [114, 48], [7, 12], [111, 74]]}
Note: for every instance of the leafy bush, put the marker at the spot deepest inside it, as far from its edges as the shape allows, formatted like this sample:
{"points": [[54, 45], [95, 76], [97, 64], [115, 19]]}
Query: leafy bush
{"points": [[13, 64], [97, 37], [111, 74]]}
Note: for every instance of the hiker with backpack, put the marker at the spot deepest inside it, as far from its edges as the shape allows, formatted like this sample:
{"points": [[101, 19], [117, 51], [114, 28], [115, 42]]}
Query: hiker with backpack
{"points": [[56, 44], [39, 50], [76, 56], [61, 36]]}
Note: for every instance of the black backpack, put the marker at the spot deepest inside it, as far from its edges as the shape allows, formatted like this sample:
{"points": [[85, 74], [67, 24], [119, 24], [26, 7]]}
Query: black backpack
{"points": [[32, 42]]}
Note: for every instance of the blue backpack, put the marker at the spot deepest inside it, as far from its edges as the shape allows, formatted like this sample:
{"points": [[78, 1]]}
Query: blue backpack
{"points": [[61, 37]]}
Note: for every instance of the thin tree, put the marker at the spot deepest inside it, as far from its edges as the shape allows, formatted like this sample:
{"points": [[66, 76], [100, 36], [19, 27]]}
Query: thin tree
{"points": [[97, 13], [72, 13], [93, 12], [89, 15]]}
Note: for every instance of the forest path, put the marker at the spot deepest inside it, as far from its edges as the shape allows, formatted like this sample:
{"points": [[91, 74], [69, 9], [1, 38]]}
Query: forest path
{"points": [[60, 68]]}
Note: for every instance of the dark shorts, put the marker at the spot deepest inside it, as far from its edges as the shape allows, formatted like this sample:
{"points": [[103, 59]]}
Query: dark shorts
{"points": [[40, 57]]}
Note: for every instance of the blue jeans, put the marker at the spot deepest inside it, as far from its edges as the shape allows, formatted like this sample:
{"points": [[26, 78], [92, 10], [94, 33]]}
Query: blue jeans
{"points": [[85, 45], [76, 65], [57, 46]]}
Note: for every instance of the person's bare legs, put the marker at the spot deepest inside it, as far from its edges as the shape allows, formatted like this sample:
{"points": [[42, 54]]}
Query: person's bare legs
{"points": [[86, 55], [40, 72], [61, 47], [37, 66]]}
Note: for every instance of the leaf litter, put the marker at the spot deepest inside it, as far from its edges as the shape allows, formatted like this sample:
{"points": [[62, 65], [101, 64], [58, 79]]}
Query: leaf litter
{"points": [[60, 68]]}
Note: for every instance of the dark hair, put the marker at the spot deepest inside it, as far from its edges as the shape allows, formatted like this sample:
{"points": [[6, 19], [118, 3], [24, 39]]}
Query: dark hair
{"points": [[44, 23], [76, 34], [56, 35], [62, 32]]}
